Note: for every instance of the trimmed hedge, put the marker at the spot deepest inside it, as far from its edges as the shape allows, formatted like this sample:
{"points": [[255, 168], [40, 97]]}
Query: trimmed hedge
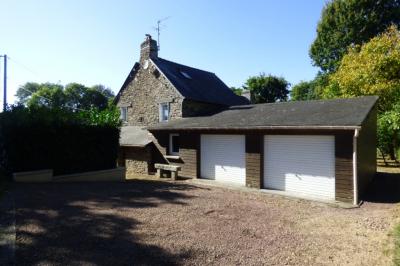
{"points": [[40, 138]]}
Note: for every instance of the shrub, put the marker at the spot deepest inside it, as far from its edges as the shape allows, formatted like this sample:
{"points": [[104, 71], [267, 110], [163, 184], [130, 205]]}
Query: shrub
{"points": [[67, 142]]}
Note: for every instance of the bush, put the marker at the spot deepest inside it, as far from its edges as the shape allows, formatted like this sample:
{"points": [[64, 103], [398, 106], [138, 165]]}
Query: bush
{"points": [[67, 142], [389, 132]]}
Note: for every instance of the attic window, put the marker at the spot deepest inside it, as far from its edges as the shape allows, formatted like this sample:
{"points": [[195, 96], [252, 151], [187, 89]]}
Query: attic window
{"points": [[186, 75]]}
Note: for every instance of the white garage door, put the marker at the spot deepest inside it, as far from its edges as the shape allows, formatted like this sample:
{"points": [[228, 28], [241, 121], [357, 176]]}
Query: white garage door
{"points": [[223, 158], [300, 164]]}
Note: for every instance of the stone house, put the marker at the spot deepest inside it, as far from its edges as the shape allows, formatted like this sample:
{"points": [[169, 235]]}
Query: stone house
{"points": [[175, 114], [157, 90]]}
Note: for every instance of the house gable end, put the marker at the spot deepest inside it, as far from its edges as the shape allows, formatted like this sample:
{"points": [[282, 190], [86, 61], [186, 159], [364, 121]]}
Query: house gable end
{"points": [[143, 94]]}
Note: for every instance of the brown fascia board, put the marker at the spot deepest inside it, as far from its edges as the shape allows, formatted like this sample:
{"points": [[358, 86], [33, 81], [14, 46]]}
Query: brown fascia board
{"points": [[133, 146], [256, 128]]}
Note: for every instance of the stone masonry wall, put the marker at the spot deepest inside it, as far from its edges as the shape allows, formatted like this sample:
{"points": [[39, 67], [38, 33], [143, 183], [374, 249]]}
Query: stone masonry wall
{"points": [[136, 161], [144, 94]]}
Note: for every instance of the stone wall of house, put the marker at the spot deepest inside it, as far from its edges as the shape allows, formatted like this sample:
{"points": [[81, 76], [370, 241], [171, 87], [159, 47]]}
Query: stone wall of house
{"points": [[144, 95], [147, 89], [136, 160]]}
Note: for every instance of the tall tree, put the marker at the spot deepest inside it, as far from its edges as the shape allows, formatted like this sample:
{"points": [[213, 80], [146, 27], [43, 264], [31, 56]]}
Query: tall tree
{"points": [[309, 90], [74, 96], [25, 91], [49, 95], [107, 92], [74, 93], [372, 69], [347, 23], [94, 98], [302, 91], [268, 88]]}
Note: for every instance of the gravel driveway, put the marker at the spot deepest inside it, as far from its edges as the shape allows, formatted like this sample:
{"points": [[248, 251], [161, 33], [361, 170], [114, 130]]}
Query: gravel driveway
{"points": [[154, 222]]}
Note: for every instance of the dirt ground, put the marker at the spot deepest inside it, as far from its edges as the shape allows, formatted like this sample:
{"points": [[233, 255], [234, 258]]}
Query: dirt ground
{"points": [[180, 223]]}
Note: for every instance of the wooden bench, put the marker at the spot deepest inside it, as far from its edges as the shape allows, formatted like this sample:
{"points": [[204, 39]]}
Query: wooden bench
{"points": [[174, 169]]}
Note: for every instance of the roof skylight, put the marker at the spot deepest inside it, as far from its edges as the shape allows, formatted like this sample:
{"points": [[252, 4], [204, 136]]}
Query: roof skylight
{"points": [[186, 75]]}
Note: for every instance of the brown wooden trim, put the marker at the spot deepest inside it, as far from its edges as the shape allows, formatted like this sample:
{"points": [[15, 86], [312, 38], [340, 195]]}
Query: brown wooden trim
{"points": [[252, 129], [254, 160], [366, 152], [264, 132], [344, 167], [198, 156]]}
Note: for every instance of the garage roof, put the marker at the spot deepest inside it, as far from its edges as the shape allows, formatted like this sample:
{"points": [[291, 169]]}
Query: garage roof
{"points": [[322, 114]]}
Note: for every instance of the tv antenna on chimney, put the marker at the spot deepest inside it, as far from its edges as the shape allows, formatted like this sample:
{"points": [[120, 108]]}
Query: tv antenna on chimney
{"points": [[158, 29]]}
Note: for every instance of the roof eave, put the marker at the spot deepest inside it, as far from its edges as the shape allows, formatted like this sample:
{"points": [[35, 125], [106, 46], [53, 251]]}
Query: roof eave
{"points": [[134, 145], [255, 128], [128, 80], [169, 81]]}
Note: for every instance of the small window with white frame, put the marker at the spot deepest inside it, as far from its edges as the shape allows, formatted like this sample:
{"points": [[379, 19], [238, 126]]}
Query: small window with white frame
{"points": [[173, 144], [124, 113], [164, 112]]}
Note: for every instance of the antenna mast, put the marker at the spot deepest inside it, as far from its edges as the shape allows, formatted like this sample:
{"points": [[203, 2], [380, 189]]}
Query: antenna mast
{"points": [[158, 30]]}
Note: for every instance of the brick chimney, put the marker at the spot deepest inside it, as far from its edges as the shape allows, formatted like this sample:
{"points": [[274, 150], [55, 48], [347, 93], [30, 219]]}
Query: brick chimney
{"points": [[148, 49]]}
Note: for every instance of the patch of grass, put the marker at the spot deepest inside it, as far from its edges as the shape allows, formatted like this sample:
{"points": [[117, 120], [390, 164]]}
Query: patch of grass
{"points": [[396, 255]]}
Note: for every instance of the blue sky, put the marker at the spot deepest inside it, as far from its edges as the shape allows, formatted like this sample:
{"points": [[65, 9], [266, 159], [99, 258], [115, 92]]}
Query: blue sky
{"points": [[97, 42]]}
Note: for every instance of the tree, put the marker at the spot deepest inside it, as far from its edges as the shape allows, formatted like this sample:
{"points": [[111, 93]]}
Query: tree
{"points": [[93, 98], [24, 92], [347, 23], [304, 90], [389, 132], [104, 90], [48, 95], [267, 88], [301, 91], [237, 91], [371, 69], [79, 96], [74, 93], [74, 96], [309, 90]]}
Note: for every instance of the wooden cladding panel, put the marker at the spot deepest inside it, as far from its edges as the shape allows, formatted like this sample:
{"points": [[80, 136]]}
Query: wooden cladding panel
{"points": [[344, 167], [188, 152], [254, 144]]}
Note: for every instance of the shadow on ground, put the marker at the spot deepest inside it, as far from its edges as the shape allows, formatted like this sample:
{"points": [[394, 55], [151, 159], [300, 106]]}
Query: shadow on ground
{"points": [[74, 223], [384, 188]]}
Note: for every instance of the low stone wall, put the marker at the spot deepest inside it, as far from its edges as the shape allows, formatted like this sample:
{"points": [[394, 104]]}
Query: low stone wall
{"points": [[34, 176], [116, 175], [43, 176]]}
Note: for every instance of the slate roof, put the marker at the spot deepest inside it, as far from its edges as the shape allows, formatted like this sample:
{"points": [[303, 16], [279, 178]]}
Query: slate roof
{"points": [[198, 85], [134, 136], [324, 114]]}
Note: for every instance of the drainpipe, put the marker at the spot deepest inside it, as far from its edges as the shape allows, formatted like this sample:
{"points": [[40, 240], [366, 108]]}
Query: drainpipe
{"points": [[355, 179]]}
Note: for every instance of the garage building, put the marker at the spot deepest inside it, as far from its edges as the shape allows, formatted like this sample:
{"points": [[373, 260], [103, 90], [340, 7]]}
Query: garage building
{"points": [[323, 149]]}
